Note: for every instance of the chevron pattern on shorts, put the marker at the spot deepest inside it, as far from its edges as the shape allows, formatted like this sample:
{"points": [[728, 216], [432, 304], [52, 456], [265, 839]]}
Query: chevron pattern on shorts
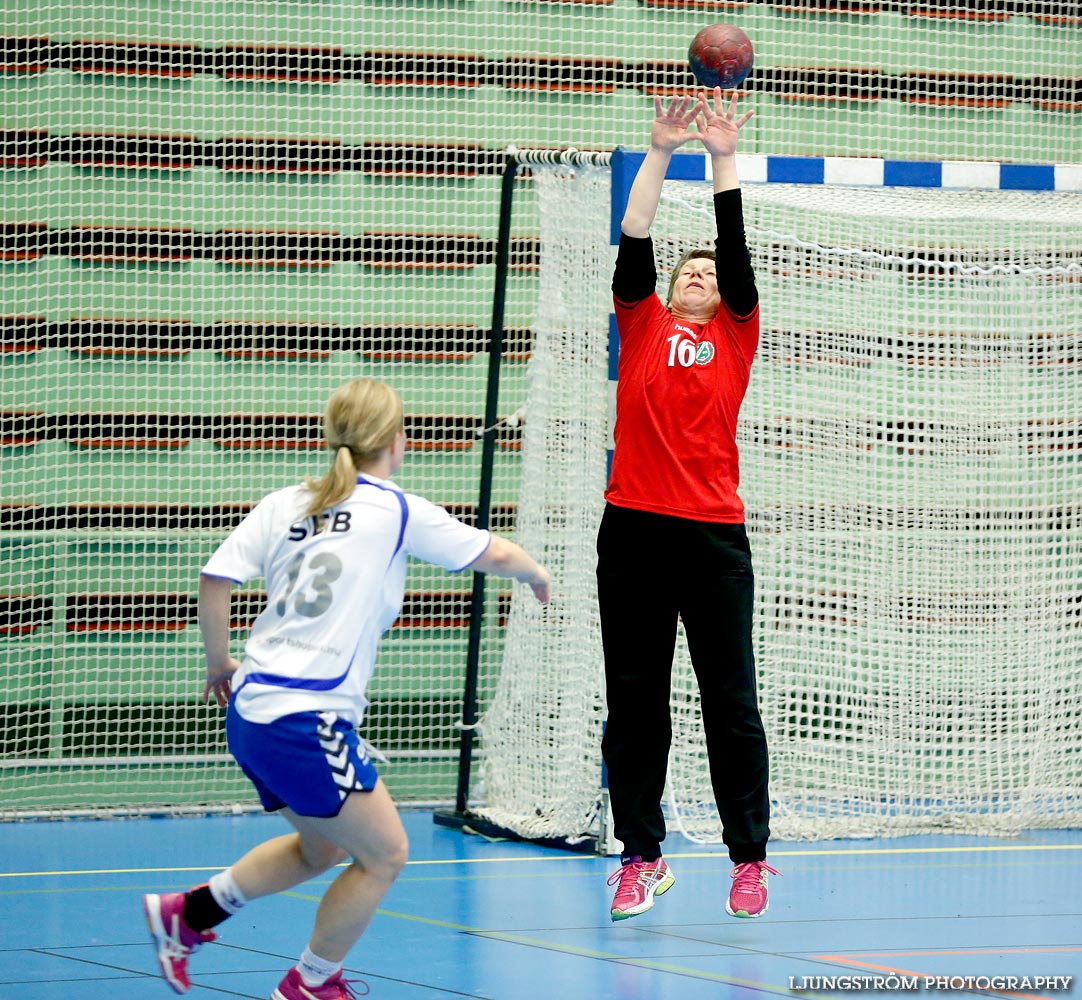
{"points": [[336, 752]]}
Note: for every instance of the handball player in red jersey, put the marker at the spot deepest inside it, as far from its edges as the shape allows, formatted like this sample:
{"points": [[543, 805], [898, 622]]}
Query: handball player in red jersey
{"points": [[672, 544]]}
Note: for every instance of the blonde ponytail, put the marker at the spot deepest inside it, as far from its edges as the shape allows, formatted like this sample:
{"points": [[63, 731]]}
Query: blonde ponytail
{"points": [[361, 420]]}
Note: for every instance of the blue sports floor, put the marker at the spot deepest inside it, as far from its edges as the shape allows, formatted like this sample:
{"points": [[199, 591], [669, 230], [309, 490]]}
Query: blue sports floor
{"points": [[511, 921]]}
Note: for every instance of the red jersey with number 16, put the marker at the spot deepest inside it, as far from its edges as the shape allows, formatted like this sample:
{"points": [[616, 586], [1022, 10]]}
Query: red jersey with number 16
{"points": [[678, 394]]}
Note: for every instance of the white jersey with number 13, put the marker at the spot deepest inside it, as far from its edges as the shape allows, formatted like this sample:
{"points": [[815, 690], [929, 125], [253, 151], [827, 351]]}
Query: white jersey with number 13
{"points": [[331, 593]]}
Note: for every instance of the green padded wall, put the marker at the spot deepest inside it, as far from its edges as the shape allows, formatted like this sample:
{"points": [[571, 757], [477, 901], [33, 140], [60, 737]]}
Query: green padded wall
{"points": [[190, 189]]}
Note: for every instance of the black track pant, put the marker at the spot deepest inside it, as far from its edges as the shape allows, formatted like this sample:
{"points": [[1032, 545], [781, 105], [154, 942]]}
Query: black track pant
{"points": [[653, 570]]}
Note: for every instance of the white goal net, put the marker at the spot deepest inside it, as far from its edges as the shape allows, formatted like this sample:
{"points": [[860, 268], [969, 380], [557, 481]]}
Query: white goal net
{"points": [[541, 732], [911, 447]]}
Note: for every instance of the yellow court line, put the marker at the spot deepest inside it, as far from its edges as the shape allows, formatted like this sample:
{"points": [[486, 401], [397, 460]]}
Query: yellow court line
{"points": [[841, 852], [431, 921], [511, 938], [564, 949], [644, 963]]}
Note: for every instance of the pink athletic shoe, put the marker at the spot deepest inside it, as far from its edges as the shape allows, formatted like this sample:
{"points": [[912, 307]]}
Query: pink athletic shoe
{"points": [[174, 940], [335, 988], [637, 883], [747, 897]]}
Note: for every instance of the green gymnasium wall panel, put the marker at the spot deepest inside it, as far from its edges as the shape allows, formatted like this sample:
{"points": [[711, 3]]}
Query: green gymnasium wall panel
{"points": [[543, 73], [212, 213]]}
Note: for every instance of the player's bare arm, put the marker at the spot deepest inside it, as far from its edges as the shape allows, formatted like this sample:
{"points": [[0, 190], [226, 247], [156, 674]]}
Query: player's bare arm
{"points": [[505, 558], [670, 130], [214, 594], [719, 129]]}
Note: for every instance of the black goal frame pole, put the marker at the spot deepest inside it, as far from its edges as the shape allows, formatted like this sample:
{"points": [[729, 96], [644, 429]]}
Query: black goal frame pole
{"points": [[468, 725], [461, 817]]}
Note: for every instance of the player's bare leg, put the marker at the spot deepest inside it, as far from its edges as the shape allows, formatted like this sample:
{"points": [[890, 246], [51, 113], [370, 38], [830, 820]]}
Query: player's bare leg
{"points": [[284, 862], [369, 830]]}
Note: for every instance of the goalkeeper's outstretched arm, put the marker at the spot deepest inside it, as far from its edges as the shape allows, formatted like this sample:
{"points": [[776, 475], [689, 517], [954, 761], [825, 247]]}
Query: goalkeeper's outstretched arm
{"points": [[668, 134], [719, 129]]}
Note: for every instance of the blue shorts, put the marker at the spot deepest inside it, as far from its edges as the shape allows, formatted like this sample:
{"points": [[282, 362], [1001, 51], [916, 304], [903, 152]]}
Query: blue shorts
{"points": [[309, 761]]}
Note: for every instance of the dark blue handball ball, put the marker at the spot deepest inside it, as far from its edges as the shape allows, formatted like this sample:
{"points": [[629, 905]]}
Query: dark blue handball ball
{"points": [[721, 56]]}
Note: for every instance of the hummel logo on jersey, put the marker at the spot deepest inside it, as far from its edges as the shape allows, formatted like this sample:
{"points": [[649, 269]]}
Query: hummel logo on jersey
{"points": [[685, 329]]}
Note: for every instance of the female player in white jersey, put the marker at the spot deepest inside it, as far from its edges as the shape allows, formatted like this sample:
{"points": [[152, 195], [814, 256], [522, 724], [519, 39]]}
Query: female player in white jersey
{"points": [[333, 554]]}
